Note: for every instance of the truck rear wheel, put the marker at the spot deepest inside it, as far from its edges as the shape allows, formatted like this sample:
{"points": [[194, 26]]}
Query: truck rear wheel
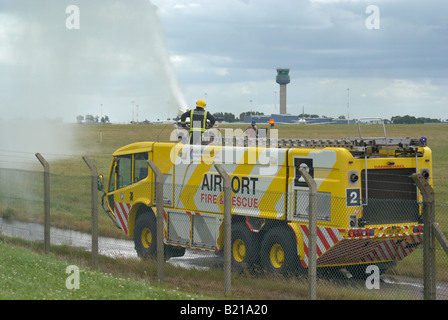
{"points": [[243, 247], [279, 251]]}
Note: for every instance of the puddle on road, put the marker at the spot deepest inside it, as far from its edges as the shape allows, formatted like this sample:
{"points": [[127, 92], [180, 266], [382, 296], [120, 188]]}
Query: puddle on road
{"points": [[110, 247]]}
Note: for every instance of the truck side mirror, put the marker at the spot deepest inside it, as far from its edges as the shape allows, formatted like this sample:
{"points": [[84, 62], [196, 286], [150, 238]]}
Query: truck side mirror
{"points": [[100, 182]]}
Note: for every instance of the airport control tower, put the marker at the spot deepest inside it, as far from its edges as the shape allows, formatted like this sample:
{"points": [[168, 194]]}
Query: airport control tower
{"points": [[282, 79]]}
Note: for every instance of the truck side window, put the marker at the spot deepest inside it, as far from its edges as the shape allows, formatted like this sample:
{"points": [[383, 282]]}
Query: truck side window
{"points": [[124, 171], [140, 166]]}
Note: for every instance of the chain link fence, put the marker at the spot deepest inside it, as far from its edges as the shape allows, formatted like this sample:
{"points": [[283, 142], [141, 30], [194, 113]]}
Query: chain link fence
{"points": [[269, 257]]}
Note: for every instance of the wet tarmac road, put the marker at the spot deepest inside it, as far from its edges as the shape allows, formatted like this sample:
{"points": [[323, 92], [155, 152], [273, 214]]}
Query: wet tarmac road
{"points": [[111, 247]]}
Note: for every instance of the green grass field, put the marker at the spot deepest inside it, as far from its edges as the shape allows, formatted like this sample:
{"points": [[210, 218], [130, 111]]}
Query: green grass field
{"points": [[26, 275]]}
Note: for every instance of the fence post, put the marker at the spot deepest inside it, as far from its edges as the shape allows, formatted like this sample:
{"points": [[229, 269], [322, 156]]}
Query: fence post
{"points": [[94, 195], [429, 251], [46, 166], [312, 233], [159, 219], [227, 230]]}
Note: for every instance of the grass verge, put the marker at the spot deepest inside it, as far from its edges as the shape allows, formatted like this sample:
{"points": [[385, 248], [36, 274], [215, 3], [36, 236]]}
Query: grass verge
{"points": [[28, 275]]}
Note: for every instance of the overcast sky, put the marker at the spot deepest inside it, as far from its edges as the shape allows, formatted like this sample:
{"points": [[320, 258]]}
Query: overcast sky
{"points": [[163, 53]]}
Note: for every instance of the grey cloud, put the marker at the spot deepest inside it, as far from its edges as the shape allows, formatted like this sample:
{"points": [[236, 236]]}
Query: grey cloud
{"points": [[118, 55], [319, 37]]}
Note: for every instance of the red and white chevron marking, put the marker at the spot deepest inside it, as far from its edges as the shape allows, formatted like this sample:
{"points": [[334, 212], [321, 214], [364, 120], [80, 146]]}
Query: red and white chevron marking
{"points": [[326, 239], [121, 211], [359, 250]]}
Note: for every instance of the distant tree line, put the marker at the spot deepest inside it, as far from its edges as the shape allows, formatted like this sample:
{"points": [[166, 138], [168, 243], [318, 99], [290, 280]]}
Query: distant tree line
{"points": [[412, 120], [230, 117], [89, 119]]}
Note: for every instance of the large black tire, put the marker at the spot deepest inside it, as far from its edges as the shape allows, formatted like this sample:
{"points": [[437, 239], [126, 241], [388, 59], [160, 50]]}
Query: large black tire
{"points": [[145, 239], [279, 251], [244, 250], [145, 236]]}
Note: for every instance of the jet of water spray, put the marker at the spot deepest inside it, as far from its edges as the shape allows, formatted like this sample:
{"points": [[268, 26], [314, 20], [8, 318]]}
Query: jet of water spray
{"points": [[118, 55], [168, 68]]}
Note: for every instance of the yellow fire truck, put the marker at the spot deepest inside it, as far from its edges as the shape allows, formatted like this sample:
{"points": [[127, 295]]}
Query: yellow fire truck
{"points": [[368, 205]]}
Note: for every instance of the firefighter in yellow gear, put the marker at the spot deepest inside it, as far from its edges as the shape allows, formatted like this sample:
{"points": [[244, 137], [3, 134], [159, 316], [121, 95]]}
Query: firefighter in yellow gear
{"points": [[198, 121]]}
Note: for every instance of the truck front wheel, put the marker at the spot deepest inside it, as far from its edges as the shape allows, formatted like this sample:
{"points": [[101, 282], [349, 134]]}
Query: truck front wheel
{"points": [[244, 253], [145, 238]]}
